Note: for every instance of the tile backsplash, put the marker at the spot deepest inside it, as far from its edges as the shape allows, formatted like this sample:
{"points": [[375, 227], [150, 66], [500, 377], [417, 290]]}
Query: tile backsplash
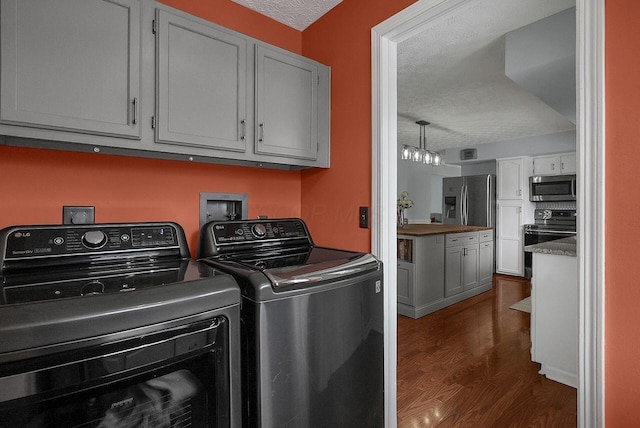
{"points": [[564, 205]]}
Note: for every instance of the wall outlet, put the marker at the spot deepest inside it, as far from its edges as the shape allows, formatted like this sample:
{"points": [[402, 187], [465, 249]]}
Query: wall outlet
{"points": [[364, 217], [78, 215]]}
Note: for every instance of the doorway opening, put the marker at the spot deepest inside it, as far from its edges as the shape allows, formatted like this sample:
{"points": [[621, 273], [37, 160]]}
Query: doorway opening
{"points": [[590, 150]]}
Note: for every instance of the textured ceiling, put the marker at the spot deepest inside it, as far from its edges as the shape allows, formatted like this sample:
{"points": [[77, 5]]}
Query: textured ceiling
{"points": [[298, 14], [452, 75]]}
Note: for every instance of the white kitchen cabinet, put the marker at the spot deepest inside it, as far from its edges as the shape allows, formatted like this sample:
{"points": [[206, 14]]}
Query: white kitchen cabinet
{"points": [[453, 271], [509, 237], [568, 164], [461, 263], [202, 84], [485, 257], [555, 164], [512, 178], [71, 65], [554, 316], [405, 282], [286, 104], [513, 209]]}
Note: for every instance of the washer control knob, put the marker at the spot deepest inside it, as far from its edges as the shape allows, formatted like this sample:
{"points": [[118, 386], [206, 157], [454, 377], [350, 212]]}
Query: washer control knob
{"points": [[94, 239], [92, 288], [259, 231]]}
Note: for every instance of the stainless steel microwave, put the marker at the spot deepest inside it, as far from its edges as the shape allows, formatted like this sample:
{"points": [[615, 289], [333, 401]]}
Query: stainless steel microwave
{"points": [[552, 188]]}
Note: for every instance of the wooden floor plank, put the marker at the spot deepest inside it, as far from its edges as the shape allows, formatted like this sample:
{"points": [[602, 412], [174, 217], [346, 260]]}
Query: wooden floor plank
{"points": [[469, 365]]}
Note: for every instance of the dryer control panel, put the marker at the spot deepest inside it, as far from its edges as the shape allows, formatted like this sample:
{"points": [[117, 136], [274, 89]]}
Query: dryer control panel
{"points": [[64, 242]]}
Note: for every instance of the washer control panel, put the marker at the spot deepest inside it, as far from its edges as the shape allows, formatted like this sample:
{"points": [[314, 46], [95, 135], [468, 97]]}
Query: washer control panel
{"points": [[24, 242], [241, 232]]}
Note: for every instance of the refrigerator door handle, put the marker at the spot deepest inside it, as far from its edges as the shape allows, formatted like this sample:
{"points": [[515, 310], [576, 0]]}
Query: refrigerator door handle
{"points": [[489, 201], [465, 219], [462, 204]]}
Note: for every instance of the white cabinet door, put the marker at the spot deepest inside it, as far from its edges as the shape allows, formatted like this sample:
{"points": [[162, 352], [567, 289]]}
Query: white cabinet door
{"points": [[546, 165], [510, 179], [510, 250], [286, 105], [485, 263], [568, 164], [202, 81], [555, 164], [405, 283], [470, 258], [453, 271], [72, 65]]}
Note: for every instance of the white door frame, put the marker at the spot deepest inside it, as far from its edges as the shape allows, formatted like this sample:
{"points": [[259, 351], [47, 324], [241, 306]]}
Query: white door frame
{"points": [[590, 149]]}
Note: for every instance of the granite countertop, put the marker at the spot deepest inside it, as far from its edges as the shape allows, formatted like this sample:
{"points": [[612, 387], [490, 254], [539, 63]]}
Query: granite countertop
{"points": [[560, 247], [415, 229]]}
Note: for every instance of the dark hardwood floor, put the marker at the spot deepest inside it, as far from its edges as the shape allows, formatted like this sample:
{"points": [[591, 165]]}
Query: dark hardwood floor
{"points": [[469, 365]]}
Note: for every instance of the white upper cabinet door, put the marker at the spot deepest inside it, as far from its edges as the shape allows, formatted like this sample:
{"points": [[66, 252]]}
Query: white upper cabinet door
{"points": [[568, 164], [546, 165], [511, 179], [202, 81], [72, 65], [286, 105], [555, 164]]}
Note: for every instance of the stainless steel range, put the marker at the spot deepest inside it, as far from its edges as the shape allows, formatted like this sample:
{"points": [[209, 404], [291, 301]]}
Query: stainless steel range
{"points": [[550, 224], [114, 325]]}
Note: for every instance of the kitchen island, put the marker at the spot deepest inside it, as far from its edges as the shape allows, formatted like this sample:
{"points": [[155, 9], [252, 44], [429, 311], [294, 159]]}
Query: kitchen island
{"points": [[442, 264], [554, 309]]}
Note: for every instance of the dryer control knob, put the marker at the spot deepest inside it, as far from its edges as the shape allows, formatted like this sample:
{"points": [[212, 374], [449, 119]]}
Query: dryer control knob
{"points": [[259, 231], [94, 239]]}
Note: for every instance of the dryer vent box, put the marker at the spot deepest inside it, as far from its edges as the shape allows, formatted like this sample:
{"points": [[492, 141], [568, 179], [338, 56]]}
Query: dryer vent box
{"points": [[468, 154], [223, 206]]}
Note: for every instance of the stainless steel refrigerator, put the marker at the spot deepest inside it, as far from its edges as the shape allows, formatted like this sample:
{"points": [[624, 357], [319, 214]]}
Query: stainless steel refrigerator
{"points": [[469, 200]]}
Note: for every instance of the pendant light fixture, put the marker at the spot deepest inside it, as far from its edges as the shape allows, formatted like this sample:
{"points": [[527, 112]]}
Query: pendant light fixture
{"points": [[420, 153]]}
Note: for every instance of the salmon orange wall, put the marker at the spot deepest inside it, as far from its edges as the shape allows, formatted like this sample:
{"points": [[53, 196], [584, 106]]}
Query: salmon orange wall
{"points": [[330, 198], [622, 233], [36, 183]]}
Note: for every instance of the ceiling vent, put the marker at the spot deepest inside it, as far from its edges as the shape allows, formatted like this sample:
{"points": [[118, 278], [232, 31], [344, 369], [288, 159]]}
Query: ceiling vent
{"points": [[468, 154]]}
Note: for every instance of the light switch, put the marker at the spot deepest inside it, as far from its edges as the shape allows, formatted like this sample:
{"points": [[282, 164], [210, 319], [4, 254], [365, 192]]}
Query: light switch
{"points": [[364, 217]]}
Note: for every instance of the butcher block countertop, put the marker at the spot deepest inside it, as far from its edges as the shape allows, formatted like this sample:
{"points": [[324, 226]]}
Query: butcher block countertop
{"points": [[437, 229]]}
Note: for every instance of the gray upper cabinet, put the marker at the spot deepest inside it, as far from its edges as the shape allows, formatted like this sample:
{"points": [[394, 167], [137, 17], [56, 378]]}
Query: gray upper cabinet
{"points": [[202, 84], [137, 77], [286, 104], [72, 65]]}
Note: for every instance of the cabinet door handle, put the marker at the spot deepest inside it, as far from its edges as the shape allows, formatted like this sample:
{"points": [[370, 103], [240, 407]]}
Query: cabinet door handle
{"points": [[261, 137], [553, 167], [135, 111], [244, 129]]}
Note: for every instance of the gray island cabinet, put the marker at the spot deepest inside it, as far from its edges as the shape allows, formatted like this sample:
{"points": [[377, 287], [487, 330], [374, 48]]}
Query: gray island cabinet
{"points": [[137, 77], [439, 265]]}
